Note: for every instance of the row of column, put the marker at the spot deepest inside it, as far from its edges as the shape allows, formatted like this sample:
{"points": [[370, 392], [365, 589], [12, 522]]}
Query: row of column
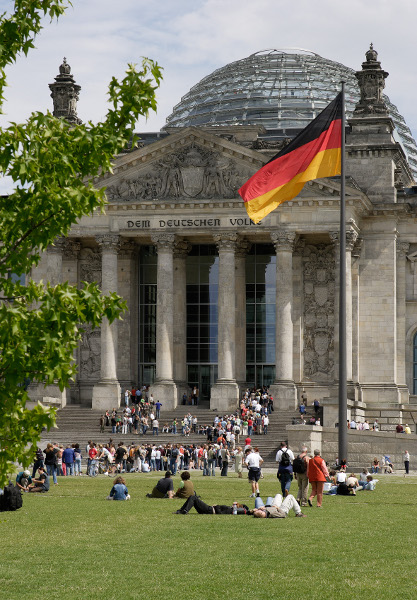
{"points": [[171, 313]]}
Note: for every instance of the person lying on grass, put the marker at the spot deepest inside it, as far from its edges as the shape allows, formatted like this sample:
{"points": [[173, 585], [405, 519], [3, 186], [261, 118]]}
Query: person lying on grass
{"points": [[369, 485], [119, 490], [205, 509], [276, 508]]}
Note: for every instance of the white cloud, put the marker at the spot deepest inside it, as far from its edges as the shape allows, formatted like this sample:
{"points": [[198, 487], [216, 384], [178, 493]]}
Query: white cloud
{"points": [[191, 38]]}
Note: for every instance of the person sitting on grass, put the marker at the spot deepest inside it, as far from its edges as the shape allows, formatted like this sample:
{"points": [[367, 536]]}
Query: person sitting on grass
{"points": [[369, 485], [186, 488], [42, 483], [23, 480], [352, 483], [205, 509], [164, 488], [276, 508], [119, 490]]}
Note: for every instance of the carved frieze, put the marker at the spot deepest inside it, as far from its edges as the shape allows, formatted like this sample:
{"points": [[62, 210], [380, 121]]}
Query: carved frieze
{"points": [[193, 172], [318, 317]]}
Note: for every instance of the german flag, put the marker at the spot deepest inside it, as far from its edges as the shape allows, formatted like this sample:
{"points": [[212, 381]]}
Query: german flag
{"points": [[314, 153]]}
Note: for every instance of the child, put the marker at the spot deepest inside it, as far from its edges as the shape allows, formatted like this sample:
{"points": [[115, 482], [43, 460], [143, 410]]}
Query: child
{"points": [[119, 490]]}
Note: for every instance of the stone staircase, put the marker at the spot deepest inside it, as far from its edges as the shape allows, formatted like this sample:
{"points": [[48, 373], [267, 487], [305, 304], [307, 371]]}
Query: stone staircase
{"points": [[78, 424]]}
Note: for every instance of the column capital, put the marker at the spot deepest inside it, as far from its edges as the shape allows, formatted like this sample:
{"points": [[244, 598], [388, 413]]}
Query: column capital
{"points": [[283, 240], [351, 237], [357, 248], [334, 237], [299, 247], [402, 249], [163, 241], [242, 247], [181, 248], [127, 248], [226, 241], [71, 249], [108, 242], [58, 245]]}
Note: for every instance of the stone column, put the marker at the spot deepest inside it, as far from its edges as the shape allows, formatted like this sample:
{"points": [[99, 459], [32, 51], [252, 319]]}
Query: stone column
{"points": [[351, 236], [127, 328], [242, 249], [334, 238], [402, 251], [225, 393], [106, 393], [356, 252], [297, 312], [50, 269], [283, 389], [181, 249], [55, 261], [164, 388], [71, 252]]}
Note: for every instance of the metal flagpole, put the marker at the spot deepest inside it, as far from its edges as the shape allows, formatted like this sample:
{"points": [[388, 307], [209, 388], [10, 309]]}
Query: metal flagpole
{"points": [[342, 300]]}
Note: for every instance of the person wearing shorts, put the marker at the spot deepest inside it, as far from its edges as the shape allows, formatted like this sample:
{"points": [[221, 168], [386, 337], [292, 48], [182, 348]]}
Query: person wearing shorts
{"points": [[254, 462]]}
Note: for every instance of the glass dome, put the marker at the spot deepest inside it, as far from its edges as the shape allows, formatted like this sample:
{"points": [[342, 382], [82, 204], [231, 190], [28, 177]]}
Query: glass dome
{"points": [[283, 90]]}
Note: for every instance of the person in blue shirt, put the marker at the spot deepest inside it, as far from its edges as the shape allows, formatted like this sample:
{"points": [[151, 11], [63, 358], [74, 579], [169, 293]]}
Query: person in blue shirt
{"points": [[23, 480], [119, 490]]}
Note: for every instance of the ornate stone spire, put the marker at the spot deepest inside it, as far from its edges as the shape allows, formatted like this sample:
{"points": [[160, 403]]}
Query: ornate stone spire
{"points": [[371, 84], [65, 93]]}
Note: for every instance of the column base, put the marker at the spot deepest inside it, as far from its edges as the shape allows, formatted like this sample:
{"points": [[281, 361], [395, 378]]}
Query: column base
{"points": [[166, 393], [106, 395], [284, 394], [224, 396]]}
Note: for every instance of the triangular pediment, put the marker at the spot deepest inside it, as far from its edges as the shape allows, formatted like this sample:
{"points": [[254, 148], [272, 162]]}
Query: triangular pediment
{"points": [[190, 163], [194, 164]]}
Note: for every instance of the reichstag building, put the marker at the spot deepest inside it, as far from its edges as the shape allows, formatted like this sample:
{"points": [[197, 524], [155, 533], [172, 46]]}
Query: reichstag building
{"points": [[220, 303]]}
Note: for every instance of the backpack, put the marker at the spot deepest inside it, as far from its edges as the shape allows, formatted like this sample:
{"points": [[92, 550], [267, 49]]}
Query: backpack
{"points": [[11, 499], [299, 465], [285, 459]]}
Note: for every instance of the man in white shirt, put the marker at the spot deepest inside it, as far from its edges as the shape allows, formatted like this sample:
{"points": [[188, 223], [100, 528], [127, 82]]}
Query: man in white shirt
{"points": [[254, 462]]}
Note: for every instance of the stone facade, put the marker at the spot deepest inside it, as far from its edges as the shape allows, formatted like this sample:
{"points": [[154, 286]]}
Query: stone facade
{"points": [[182, 191]]}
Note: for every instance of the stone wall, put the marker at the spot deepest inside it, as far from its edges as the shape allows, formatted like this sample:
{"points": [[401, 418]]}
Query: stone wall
{"points": [[363, 446]]}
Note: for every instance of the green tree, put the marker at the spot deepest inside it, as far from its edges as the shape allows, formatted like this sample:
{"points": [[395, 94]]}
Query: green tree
{"points": [[52, 165]]}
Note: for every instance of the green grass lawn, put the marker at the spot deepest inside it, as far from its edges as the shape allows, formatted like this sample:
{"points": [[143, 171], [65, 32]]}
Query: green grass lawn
{"points": [[73, 544]]}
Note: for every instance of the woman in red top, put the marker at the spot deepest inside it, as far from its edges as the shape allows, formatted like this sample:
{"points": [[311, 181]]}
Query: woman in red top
{"points": [[317, 474]]}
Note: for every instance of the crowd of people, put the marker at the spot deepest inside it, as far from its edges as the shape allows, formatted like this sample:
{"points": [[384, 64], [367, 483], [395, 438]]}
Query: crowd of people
{"points": [[142, 413]]}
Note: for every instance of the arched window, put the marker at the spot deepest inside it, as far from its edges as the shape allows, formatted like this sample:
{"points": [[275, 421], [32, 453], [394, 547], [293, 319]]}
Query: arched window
{"points": [[415, 364]]}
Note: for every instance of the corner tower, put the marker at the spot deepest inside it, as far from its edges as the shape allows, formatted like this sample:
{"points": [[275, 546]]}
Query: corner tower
{"points": [[65, 93]]}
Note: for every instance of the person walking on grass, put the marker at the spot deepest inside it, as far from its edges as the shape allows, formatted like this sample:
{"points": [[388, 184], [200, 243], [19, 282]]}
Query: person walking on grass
{"points": [[285, 458], [406, 462], [317, 474], [254, 462]]}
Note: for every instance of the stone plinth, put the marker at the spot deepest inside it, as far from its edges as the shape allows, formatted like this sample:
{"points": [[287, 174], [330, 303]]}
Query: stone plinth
{"points": [[165, 393], [284, 395], [224, 396], [106, 395]]}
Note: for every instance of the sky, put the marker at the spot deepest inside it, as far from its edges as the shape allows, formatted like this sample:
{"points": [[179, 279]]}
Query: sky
{"points": [[192, 38]]}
